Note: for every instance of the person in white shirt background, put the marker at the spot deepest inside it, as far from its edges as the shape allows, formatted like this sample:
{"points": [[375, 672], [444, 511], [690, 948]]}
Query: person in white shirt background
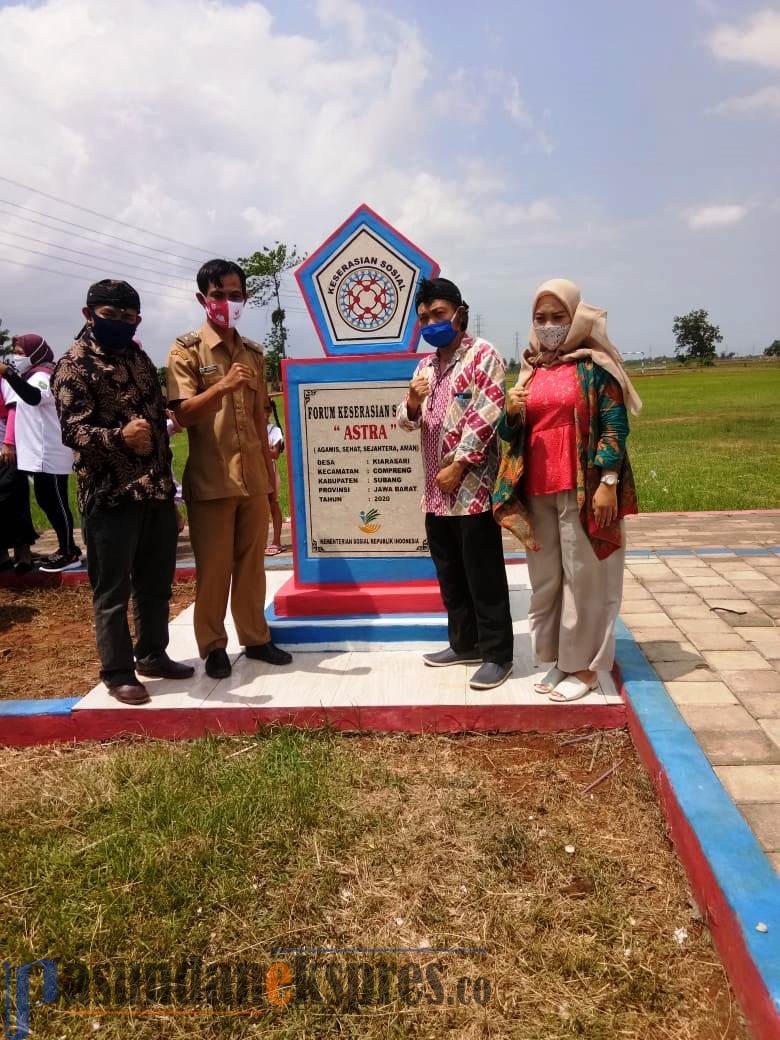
{"points": [[276, 444], [16, 526], [39, 448]]}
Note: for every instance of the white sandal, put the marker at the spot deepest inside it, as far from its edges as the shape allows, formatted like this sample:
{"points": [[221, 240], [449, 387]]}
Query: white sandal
{"points": [[572, 689], [550, 681]]}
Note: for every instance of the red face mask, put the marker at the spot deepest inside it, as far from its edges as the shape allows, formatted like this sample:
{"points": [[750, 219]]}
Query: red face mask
{"points": [[224, 313]]}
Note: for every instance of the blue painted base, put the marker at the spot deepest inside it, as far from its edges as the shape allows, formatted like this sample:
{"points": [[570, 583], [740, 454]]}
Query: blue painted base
{"points": [[358, 631]]}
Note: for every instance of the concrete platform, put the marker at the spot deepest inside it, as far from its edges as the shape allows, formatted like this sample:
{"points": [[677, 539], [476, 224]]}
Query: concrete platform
{"points": [[351, 685]]}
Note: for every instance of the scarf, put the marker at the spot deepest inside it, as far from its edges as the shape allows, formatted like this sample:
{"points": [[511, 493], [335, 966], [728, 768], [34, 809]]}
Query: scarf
{"points": [[587, 338], [37, 350]]}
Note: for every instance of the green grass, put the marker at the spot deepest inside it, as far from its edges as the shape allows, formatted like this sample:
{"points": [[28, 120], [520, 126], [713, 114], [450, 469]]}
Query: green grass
{"points": [[224, 848], [706, 439]]}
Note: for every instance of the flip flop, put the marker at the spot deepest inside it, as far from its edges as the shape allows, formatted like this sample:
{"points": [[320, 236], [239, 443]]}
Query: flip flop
{"points": [[550, 681], [572, 689], [273, 550]]}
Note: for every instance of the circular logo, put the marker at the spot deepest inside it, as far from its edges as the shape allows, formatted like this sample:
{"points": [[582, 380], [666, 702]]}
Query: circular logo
{"points": [[367, 299]]}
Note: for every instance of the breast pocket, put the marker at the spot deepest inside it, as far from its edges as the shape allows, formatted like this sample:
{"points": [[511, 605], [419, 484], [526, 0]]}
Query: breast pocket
{"points": [[209, 377]]}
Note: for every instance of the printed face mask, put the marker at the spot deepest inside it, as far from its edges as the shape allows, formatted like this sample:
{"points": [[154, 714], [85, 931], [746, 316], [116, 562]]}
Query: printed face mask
{"points": [[224, 313], [21, 364], [551, 336]]}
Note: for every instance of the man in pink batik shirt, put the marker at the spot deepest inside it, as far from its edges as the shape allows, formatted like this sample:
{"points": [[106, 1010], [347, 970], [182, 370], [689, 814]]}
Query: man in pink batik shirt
{"points": [[455, 398]]}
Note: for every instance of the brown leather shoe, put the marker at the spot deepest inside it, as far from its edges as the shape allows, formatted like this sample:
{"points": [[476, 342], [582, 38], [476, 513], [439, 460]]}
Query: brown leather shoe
{"points": [[130, 693]]}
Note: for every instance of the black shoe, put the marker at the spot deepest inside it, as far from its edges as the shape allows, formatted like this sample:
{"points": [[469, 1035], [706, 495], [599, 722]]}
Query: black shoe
{"points": [[69, 561], [490, 675], [448, 656], [22, 567], [162, 667], [269, 653], [218, 664]]}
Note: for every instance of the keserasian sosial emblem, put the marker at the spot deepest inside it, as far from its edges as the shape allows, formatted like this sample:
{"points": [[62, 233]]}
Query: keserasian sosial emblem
{"points": [[367, 298], [359, 287]]}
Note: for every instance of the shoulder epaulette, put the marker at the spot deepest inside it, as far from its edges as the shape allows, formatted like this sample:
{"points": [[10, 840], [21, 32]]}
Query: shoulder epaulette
{"points": [[250, 343], [189, 339]]}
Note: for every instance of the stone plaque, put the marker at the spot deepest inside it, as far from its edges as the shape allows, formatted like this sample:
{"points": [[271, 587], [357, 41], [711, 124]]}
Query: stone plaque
{"points": [[363, 477]]}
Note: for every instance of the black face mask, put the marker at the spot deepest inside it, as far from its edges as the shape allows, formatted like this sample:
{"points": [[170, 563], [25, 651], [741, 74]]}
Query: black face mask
{"points": [[111, 333]]}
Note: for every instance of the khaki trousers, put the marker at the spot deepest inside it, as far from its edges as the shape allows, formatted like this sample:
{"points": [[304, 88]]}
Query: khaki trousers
{"points": [[575, 597], [228, 537]]}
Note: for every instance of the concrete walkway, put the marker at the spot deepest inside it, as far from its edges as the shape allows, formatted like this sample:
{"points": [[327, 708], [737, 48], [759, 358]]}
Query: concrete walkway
{"points": [[708, 623]]}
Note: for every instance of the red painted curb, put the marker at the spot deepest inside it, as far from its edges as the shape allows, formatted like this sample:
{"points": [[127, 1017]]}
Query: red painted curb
{"points": [[754, 998], [183, 724], [68, 579], [342, 599]]}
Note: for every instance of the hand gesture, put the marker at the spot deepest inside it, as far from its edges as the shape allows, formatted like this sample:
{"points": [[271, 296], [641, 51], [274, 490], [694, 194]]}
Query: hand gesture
{"points": [[419, 388], [605, 505], [177, 427], [238, 376], [137, 435], [516, 399], [449, 477]]}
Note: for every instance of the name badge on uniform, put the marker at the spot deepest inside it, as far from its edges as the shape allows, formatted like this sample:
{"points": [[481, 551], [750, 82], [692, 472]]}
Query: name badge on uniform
{"points": [[206, 370]]}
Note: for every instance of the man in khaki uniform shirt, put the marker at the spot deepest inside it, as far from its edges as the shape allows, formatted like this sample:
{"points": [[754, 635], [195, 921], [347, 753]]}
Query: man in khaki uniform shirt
{"points": [[216, 387]]}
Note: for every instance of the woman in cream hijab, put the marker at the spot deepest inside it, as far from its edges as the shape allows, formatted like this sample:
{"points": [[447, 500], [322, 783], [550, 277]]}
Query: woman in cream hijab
{"points": [[565, 484]]}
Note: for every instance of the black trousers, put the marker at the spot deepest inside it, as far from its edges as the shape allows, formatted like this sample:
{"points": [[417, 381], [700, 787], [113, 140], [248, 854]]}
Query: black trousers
{"points": [[469, 559], [131, 550], [16, 526], [51, 491]]}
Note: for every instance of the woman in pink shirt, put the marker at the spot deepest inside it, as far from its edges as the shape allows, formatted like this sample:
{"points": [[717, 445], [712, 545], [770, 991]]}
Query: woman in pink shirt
{"points": [[565, 484]]}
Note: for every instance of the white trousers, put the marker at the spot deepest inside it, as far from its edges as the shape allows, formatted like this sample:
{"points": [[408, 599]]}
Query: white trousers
{"points": [[575, 597]]}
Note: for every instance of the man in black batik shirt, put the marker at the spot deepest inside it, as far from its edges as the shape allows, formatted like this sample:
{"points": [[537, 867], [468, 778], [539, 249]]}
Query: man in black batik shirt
{"points": [[113, 417]]}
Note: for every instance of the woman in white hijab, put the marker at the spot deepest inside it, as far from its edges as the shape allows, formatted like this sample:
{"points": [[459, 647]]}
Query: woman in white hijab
{"points": [[565, 484]]}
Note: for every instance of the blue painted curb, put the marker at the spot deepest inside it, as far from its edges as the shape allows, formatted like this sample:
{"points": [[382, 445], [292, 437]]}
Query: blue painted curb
{"points": [[742, 870], [359, 628], [51, 706]]}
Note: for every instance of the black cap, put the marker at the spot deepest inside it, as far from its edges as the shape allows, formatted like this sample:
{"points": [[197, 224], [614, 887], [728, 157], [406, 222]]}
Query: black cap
{"points": [[114, 293]]}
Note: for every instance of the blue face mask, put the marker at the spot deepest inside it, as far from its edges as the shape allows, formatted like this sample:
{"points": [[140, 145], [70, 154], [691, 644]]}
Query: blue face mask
{"points": [[439, 333]]}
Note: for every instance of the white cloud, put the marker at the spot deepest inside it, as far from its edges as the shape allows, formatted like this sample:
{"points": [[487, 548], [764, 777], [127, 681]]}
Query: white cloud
{"points": [[715, 216], [757, 40], [217, 128], [514, 104], [460, 99], [765, 101]]}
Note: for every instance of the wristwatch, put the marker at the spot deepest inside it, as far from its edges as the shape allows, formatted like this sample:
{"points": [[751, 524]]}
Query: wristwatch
{"points": [[610, 479]]}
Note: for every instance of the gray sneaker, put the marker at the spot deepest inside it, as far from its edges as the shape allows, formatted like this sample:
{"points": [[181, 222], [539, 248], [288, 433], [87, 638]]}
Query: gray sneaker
{"points": [[448, 656], [490, 675]]}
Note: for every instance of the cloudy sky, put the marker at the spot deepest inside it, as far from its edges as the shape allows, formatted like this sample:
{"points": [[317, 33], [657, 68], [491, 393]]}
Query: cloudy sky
{"points": [[630, 146]]}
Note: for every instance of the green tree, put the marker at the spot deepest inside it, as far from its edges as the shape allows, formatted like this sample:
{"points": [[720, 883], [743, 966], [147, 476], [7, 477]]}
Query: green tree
{"points": [[773, 350], [696, 337], [265, 270], [162, 377], [5, 340], [274, 348]]}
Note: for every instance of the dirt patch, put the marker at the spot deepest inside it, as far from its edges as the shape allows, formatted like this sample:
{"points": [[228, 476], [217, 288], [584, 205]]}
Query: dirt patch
{"points": [[47, 640]]}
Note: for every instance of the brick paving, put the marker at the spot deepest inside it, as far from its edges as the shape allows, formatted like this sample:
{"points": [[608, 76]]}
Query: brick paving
{"points": [[709, 623]]}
